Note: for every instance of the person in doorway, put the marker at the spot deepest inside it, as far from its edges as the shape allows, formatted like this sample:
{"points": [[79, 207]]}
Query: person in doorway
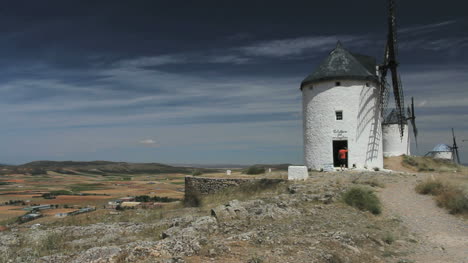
{"points": [[342, 157]]}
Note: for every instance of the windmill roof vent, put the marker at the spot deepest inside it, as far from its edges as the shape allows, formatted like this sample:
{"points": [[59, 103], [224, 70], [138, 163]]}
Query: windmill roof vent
{"points": [[342, 64]]}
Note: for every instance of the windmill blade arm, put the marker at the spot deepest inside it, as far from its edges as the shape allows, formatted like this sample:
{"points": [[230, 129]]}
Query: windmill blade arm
{"points": [[412, 117], [398, 95], [415, 132], [455, 148]]}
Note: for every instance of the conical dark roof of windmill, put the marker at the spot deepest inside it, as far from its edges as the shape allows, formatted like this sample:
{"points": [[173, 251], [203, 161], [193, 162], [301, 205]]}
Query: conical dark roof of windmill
{"points": [[392, 118], [342, 64]]}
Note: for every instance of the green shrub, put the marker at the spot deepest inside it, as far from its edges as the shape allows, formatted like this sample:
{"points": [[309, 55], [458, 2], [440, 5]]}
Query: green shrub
{"points": [[389, 238], [409, 161], [192, 199], [363, 199], [196, 172], [254, 170], [432, 187], [425, 168]]}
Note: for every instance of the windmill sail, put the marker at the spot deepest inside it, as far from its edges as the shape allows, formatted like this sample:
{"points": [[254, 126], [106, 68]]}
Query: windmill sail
{"points": [[390, 63]]}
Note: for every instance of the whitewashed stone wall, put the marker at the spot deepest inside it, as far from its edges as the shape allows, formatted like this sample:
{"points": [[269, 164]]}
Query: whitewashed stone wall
{"points": [[361, 124], [393, 144]]}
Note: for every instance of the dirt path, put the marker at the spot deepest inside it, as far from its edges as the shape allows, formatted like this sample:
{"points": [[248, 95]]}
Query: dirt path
{"points": [[444, 237]]}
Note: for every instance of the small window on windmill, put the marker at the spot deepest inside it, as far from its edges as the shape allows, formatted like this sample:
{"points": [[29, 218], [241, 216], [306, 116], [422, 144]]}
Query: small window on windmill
{"points": [[367, 84], [339, 115], [337, 83]]}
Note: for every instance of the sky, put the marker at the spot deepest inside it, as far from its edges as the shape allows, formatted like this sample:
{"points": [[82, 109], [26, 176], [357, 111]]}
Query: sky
{"points": [[207, 82]]}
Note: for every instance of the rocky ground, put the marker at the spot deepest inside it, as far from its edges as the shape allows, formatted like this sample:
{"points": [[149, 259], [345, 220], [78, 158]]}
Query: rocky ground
{"points": [[297, 222]]}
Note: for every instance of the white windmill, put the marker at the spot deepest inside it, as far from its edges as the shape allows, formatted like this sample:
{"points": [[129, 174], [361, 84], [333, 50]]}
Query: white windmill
{"points": [[344, 101]]}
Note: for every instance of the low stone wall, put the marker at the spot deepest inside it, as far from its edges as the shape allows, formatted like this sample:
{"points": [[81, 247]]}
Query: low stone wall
{"points": [[204, 185]]}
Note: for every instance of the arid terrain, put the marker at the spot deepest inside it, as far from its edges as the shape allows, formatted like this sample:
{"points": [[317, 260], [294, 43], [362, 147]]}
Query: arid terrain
{"points": [[303, 221], [93, 184]]}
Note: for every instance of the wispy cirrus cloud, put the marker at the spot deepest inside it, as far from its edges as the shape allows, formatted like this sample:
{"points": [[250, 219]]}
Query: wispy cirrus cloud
{"points": [[154, 61], [426, 28], [424, 37], [148, 142], [294, 46], [250, 53], [185, 58], [434, 44]]}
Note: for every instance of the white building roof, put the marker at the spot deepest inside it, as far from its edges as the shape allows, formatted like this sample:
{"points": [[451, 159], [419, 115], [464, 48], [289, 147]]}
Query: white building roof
{"points": [[442, 148]]}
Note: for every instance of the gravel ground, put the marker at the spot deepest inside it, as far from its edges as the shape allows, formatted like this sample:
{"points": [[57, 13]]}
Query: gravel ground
{"points": [[444, 237]]}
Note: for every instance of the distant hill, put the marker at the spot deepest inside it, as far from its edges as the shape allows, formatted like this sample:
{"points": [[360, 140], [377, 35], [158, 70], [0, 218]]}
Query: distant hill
{"points": [[219, 166], [66, 163], [99, 167], [236, 166], [283, 166]]}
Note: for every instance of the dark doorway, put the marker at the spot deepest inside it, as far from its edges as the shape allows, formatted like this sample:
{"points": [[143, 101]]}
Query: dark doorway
{"points": [[338, 145]]}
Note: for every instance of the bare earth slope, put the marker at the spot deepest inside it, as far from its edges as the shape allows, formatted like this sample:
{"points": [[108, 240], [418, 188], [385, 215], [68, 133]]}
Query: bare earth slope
{"points": [[443, 237]]}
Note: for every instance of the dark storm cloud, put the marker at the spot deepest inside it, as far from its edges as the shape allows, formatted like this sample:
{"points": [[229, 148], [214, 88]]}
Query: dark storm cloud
{"points": [[197, 73]]}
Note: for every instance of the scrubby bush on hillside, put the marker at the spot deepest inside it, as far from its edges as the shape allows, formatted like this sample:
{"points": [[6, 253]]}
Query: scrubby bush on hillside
{"points": [[363, 199], [432, 187], [162, 199], [447, 195], [409, 161], [38, 171], [453, 199], [254, 170], [192, 199], [196, 172], [428, 164]]}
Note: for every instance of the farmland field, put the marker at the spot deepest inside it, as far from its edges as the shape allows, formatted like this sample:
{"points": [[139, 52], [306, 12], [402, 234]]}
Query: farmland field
{"points": [[87, 190], [68, 186]]}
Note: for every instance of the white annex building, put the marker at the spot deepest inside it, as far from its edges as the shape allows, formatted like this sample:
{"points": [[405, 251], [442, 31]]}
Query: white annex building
{"points": [[393, 143], [441, 151], [341, 108]]}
